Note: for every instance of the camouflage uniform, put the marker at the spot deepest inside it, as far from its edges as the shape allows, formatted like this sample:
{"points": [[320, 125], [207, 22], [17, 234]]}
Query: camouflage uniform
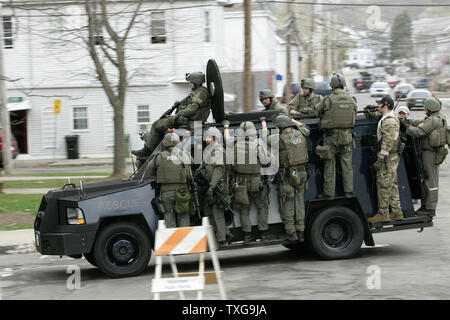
{"points": [[337, 142], [387, 183], [171, 170], [423, 130], [215, 170], [277, 106], [303, 105]]}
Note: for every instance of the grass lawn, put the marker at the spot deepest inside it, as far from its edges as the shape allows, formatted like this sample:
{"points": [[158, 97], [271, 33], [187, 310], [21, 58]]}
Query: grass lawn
{"points": [[17, 211], [57, 183]]}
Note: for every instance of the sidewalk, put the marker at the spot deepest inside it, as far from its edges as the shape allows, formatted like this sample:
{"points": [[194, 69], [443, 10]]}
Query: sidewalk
{"points": [[17, 241]]}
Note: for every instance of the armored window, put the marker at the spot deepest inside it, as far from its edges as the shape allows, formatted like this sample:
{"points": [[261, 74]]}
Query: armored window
{"points": [[80, 118], [7, 32], [158, 27], [143, 118], [207, 26]]}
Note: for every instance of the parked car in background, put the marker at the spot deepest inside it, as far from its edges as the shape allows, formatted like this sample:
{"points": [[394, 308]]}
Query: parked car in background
{"points": [[14, 147], [323, 88], [421, 83], [364, 82], [392, 81], [379, 89], [416, 97], [353, 65], [368, 64], [401, 90]]}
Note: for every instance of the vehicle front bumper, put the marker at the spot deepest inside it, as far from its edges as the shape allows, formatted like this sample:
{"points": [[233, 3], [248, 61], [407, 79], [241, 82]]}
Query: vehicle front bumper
{"points": [[66, 243]]}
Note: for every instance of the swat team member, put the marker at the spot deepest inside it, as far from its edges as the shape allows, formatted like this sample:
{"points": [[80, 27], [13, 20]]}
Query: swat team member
{"points": [[195, 107], [247, 184], [387, 162], [269, 102], [292, 175], [214, 168], [432, 132], [337, 113], [171, 168], [305, 102]]}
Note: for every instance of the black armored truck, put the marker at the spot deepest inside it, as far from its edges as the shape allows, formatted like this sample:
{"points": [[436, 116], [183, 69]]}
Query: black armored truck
{"points": [[113, 223]]}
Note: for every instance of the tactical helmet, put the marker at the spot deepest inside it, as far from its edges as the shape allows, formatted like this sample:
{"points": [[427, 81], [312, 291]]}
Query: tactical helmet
{"points": [[247, 128], [308, 83], [432, 104], [212, 132], [266, 93], [337, 80], [171, 140], [283, 121], [197, 78], [404, 109]]}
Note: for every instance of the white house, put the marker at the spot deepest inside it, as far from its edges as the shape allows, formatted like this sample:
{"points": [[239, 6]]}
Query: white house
{"points": [[169, 39]]}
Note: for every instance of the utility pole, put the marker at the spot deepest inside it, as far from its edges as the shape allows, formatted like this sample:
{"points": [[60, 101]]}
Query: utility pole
{"points": [[4, 113], [248, 85]]}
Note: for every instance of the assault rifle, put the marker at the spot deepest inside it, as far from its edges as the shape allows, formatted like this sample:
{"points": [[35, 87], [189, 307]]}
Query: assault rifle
{"points": [[280, 178], [169, 112], [194, 191], [220, 195]]}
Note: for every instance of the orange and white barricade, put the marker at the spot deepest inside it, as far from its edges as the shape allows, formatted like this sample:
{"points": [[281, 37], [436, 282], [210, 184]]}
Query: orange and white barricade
{"points": [[182, 241]]}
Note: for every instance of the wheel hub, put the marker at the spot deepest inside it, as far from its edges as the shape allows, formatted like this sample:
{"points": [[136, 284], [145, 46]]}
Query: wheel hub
{"points": [[333, 234], [123, 251]]}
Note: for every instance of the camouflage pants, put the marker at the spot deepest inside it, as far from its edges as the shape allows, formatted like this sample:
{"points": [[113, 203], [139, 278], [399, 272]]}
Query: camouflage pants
{"points": [[157, 131], [172, 219], [344, 153], [387, 186], [431, 180], [216, 215], [292, 209], [262, 207]]}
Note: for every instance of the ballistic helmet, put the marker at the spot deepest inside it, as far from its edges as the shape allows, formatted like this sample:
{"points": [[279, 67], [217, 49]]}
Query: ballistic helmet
{"points": [[212, 132], [171, 140], [247, 128], [283, 121], [432, 104], [308, 83], [266, 93], [337, 80], [197, 78]]}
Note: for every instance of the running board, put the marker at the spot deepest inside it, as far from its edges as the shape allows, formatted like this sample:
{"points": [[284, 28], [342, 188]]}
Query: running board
{"points": [[404, 224], [259, 243]]}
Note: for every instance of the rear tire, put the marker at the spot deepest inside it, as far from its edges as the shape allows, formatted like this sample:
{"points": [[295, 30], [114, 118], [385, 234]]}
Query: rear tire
{"points": [[122, 250], [336, 233]]}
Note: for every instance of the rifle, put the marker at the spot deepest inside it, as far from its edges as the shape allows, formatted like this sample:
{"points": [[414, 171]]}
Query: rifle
{"points": [[220, 195], [397, 102], [169, 112], [280, 178], [194, 191]]}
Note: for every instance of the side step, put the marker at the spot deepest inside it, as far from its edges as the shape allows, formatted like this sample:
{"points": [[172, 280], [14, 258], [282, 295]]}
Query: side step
{"points": [[404, 224], [259, 243]]}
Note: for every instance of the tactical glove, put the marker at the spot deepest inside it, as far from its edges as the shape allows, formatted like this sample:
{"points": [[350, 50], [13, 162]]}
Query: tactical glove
{"points": [[379, 164], [181, 120], [226, 123]]}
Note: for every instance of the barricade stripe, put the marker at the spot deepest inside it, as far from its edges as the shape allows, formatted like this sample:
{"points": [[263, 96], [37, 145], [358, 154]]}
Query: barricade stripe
{"points": [[200, 247], [190, 241], [167, 247]]}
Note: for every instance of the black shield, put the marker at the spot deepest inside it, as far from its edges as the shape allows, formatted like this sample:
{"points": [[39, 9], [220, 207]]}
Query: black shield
{"points": [[214, 84]]}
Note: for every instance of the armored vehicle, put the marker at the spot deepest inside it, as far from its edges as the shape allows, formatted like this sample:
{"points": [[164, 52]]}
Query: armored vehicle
{"points": [[112, 224]]}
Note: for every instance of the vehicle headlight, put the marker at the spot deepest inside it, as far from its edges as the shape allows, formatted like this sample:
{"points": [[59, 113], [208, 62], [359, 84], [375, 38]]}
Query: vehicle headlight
{"points": [[75, 216]]}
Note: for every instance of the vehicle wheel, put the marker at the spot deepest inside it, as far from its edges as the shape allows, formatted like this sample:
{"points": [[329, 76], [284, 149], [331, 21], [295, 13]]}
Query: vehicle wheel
{"points": [[122, 250], [336, 233], [90, 258]]}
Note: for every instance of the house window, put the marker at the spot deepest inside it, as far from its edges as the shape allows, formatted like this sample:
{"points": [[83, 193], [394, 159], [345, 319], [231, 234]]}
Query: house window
{"points": [[80, 118], [207, 26], [7, 32], [158, 27], [98, 29], [143, 118]]}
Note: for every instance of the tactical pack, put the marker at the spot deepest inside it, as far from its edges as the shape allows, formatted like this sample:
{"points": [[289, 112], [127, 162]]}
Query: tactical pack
{"points": [[169, 171], [295, 151], [341, 114], [182, 201]]}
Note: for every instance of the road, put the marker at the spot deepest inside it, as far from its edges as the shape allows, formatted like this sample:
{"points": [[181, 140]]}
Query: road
{"points": [[403, 265]]}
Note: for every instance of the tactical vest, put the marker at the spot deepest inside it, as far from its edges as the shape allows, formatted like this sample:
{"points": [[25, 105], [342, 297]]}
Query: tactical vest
{"points": [[170, 172], [341, 114], [438, 136], [205, 104], [293, 149], [246, 168], [396, 145], [307, 104]]}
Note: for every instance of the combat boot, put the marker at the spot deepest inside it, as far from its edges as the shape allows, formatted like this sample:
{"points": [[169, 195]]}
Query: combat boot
{"points": [[301, 235], [396, 215], [349, 194], [379, 218], [293, 237], [143, 153], [425, 213], [267, 236], [249, 237], [324, 196]]}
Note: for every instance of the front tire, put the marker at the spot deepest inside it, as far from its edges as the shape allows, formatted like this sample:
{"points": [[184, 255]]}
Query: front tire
{"points": [[336, 233], [122, 250]]}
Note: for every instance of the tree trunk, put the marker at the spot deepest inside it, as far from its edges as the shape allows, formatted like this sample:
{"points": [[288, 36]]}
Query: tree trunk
{"points": [[119, 169]]}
